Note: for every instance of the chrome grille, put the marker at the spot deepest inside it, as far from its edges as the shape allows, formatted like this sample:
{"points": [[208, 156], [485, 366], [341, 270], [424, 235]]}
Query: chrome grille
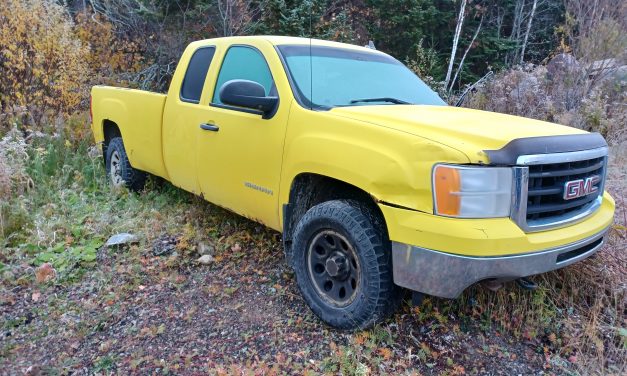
{"points": [[540, 202], [547, 183]]}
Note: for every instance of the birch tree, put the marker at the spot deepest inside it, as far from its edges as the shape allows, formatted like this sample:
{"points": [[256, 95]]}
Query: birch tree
{"points": [[524, 45], [461, 63], [512, 57], [236, 16], [458, 31]]}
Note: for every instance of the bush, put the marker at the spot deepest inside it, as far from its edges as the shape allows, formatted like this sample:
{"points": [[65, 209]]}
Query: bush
{"points": [[42, 62], [14, 181], [13, 159], [561, 92], [110, 56]]}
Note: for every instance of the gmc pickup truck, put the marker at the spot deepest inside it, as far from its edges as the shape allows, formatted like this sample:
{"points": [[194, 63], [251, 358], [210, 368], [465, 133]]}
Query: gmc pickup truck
{"points": [[375, 183]]}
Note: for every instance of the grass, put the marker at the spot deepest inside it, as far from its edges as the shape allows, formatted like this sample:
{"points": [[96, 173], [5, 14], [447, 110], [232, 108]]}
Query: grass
{"points": [[576, 317]]}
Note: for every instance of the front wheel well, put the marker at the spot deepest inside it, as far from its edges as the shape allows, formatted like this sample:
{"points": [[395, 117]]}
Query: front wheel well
{"points": [[309, 189]]}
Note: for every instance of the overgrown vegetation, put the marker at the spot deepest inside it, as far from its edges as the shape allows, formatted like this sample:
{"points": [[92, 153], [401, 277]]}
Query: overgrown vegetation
{"points": [[57, 209], [584, 86]]}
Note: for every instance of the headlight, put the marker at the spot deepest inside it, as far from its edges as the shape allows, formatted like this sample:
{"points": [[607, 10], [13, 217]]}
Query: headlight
{"points": [[472, 192]]}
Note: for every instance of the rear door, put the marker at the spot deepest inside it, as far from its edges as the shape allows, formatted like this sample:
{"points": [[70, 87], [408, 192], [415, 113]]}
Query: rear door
{"points": [[239, 154]]}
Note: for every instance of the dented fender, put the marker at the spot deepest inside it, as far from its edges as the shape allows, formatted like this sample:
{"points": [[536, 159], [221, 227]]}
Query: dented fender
{"points": [[394, 167]]}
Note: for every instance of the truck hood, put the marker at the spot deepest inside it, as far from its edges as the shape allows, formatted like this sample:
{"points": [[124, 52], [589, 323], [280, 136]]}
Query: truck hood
{"points": [[467, 130]]}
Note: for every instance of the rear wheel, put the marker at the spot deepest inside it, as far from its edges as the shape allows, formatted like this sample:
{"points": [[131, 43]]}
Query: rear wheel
{"points": [[343, 264], [119, 169]]}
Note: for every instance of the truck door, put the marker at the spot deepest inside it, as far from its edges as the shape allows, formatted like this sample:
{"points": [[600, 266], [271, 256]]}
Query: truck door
{"points": [[239, 153], [181, 110]]}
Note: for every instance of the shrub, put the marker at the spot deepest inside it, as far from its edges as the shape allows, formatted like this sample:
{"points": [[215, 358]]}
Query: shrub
{"points": [[521, 91], [559, 93], [13, 159], [14, 181], [109, 54], [42, 62]]}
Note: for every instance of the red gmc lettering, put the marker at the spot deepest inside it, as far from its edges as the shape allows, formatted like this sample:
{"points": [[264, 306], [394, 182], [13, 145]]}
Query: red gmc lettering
{"points": [[580, 188]]}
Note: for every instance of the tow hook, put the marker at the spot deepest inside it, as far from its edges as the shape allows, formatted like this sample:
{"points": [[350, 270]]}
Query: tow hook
{"points": [[526, 284]]}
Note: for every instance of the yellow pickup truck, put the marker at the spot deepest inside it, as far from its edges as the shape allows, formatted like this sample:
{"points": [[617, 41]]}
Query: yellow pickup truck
{"points": [[374, 182]]}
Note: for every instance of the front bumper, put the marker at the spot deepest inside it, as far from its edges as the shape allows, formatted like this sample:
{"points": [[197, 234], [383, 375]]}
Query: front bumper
{"points": [[447, 275], [487, 237]]}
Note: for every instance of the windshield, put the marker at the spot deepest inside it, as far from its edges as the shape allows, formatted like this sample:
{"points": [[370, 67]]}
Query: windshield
{"points": [[344, 77]]}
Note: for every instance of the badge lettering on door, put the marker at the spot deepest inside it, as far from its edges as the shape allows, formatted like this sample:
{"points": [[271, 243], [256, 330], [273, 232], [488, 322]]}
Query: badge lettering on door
{"points": [[581, 187], [259, 188]]}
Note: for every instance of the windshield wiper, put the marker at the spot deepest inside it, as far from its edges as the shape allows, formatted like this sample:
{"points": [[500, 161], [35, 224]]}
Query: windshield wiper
{"points": [[382, 99]]}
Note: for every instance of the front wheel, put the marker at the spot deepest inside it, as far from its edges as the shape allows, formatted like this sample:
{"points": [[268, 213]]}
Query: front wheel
{"points": [[119, 169], [343, 264]]}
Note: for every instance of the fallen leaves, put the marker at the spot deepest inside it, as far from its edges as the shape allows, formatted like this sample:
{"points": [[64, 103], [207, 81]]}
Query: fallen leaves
{"points": [[45, 273], [36, 296], [385, 352], [7, 299], [151, 331]]}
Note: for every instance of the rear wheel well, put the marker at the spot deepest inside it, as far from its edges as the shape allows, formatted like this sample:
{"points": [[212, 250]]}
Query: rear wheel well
{"points": [[310, 189], [110, 131]]}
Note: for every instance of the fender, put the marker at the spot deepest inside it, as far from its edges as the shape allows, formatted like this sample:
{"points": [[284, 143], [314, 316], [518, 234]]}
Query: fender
{"points": [[387, 164]]}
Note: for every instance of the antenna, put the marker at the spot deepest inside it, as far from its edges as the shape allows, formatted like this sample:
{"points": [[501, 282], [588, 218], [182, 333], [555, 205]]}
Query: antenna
{"points": [[310, 57]]}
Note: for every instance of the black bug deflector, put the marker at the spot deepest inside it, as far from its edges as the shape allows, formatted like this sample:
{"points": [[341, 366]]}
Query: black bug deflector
{"points": [[508, 154]]}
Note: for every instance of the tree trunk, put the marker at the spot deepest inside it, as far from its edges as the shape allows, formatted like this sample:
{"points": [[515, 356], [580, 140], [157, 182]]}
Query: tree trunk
{"points": [[458, 31], [512, 56], [461, 63], [524, 45], [518, 12], [499, 22]]}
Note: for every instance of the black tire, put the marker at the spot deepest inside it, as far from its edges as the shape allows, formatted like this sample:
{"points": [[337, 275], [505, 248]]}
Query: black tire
{"points": [[119, 169], [370, 294]]}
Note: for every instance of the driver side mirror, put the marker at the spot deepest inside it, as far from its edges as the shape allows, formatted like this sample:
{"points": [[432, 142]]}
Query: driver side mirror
{"points": [[247, 94]]}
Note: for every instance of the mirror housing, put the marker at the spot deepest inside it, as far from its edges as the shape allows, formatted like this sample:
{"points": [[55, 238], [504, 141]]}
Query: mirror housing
{"points": [[247, 94]]}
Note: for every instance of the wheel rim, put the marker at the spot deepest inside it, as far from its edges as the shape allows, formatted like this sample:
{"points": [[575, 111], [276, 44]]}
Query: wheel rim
{"points": [[333, 268], [116, 169]]}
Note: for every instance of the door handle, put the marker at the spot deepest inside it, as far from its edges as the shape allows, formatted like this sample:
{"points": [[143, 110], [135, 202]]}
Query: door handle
{"points": [[209, 127]]}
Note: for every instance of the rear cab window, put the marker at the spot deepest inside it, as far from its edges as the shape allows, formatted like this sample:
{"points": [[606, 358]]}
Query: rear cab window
{"points": [[194, 79]]}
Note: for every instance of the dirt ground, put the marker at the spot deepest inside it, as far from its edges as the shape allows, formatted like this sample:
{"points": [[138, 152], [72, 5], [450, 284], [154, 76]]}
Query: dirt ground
{"points": [[240, 314]]}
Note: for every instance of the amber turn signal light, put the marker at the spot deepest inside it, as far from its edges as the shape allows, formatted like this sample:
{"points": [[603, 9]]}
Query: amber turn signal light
{"points": [[447, 188]]}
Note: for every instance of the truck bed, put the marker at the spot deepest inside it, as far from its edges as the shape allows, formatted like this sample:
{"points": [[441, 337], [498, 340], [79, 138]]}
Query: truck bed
{"points": [[138, 114]]}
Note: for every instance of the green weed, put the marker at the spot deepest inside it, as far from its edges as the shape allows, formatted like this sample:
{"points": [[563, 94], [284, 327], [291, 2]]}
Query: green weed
{"points": [[71, 209], [104, 363]]}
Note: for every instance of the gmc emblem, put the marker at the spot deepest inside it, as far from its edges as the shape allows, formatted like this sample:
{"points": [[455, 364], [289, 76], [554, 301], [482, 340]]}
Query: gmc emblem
{"points": [[581, 187]]}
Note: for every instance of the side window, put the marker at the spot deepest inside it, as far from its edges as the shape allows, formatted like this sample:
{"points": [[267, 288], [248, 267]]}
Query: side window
{"points": [[196, 73], [244, 63]]}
